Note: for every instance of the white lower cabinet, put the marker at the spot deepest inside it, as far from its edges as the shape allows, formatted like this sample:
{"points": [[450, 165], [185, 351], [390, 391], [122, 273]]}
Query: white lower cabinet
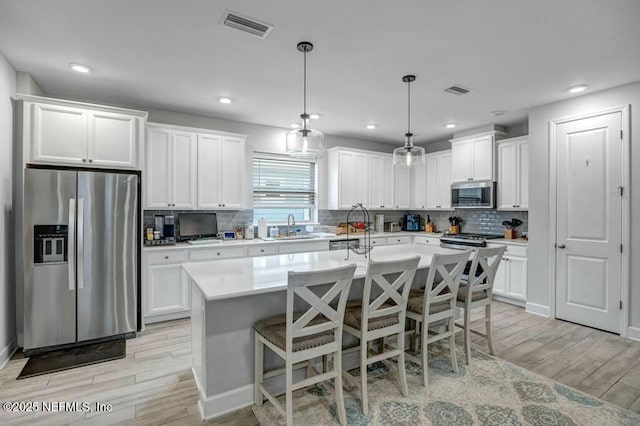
{"points": [[430, 241], [165, 288], [398, 240], [511, 277]]}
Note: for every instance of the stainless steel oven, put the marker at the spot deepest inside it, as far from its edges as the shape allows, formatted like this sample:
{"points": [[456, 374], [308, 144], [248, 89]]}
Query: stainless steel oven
{"points": [[473, 195]]}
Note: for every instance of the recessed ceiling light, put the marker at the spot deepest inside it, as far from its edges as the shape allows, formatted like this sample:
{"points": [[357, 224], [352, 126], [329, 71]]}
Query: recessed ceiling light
{"points": [[224, 100], [496, 113], [80, 68], [371, 126], [314, 116], [450, 125], [577, 89], [294, 125]]}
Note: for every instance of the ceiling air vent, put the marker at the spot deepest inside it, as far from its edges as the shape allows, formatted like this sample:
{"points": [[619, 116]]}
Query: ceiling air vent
{"points": [[457, 90], [246, 24]]}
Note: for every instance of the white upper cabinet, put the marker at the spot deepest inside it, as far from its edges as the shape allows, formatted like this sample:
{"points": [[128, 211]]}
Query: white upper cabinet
{"points": [[360, 177], [513, 174], [170, 174], [221, 182], [70, 133], [438, 181], [419, 183], [188, 169], [473, 157]]}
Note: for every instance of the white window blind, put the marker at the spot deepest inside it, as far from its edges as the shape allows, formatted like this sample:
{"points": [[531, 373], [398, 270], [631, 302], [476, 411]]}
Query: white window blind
{"points": [[282, 186]]}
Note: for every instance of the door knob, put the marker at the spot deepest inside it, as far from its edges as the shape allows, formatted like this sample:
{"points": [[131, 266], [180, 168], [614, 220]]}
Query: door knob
{"points": [[561, 246]]}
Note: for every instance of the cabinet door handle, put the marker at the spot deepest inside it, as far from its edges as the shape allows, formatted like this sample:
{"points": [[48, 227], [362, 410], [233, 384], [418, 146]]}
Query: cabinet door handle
{"points": [[90, 160], [84, 160], [561, 246]]}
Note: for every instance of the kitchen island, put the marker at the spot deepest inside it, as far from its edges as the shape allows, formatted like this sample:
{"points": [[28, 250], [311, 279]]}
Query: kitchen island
{"points": [[229, 296]]}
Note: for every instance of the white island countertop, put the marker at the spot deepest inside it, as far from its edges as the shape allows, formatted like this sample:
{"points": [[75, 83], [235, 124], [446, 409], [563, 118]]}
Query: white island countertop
{"points": [[225, 279]]}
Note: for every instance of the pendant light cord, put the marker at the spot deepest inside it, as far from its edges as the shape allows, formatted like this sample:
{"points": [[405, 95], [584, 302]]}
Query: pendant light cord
{"points": [[408, 107], [304, 91]]}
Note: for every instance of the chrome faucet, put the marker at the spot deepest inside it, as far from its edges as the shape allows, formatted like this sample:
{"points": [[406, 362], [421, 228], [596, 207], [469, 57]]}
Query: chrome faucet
{"points": [[290, 219]]}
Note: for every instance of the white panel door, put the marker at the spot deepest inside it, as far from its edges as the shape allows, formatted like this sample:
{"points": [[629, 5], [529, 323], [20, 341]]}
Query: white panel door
{"points": [[209, 196], [402, 188], [482, 158], [375, 182], [361, 179], [507, 175], [157, 170], [432, 193], [167, 290], [232, 169], [444, 182], [59, 134], [461, 152], [388, 182], [589, 212], [183, 169], [419, 187], [523, 175], [346, 179], [113, 140]]}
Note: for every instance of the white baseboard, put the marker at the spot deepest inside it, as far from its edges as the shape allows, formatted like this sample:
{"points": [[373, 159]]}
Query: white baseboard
{"points": [[7, 352], [166, 317], [534, 308], [223, 403], [633, 333], [507, 299]]}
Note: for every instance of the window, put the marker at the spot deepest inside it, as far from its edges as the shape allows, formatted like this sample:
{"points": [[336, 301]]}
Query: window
{"points": [[282, 185]]}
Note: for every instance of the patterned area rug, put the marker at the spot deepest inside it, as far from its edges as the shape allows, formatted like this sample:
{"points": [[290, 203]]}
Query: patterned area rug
{"points": [[488, 392]]}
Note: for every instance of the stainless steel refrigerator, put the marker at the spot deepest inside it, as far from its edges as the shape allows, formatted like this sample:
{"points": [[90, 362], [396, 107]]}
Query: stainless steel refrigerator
{"points": [[81, 256]]}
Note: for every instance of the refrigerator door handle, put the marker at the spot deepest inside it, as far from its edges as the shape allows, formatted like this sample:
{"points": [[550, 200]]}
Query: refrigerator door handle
{"points": [[80, 249], [71, 244]]}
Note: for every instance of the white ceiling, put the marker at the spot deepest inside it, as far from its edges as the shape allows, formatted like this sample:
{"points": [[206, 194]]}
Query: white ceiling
{"points": [[513, 54]]}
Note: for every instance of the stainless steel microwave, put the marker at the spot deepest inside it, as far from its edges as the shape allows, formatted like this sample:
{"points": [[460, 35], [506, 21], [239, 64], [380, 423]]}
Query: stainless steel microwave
{"points": [[473, 195]]}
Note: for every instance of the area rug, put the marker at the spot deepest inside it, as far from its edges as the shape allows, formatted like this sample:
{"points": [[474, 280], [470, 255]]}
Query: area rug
{"points": [[490, 391]]}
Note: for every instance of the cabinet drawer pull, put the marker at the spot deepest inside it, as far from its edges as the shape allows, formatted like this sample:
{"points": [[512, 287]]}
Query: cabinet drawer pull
{"points": [[90, 160], [218, 253], [166, 257], [84, 160], [261, 250]]}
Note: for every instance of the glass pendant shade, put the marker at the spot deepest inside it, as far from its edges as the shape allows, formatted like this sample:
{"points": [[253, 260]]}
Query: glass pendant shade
{"points": [[408, 155], [305, 143]]}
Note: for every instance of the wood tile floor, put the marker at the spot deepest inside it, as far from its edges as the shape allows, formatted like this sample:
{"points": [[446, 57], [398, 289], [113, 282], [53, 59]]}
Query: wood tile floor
{"points": [[154, 385]]}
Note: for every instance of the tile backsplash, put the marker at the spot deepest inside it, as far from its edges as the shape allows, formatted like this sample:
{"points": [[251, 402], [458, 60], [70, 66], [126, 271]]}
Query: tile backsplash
{"points": [[474, 221]]}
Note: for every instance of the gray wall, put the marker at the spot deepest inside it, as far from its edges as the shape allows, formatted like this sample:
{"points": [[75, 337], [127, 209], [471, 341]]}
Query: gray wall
{"points": [[7, 287], [540, 244]]}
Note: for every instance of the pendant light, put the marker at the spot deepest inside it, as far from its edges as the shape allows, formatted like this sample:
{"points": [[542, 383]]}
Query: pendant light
{"points": [[304, 143], [408, 155]]}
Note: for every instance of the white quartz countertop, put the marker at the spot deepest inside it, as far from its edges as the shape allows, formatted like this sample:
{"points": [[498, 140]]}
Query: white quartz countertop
{"points": [[258, 241], [225, 279]]}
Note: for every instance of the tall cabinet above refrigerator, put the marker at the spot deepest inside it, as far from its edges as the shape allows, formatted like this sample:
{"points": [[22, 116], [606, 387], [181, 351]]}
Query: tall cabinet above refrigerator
{"points": [[81, 256]]}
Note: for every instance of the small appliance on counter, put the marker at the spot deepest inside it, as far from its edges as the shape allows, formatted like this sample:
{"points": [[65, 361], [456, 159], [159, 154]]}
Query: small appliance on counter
{"points": [[379, 223], [392, 227], [411, 222], [163, 233]]}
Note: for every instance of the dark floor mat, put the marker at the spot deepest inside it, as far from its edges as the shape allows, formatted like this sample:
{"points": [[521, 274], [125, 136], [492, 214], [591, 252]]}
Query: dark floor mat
{"points": [[65, 359]]}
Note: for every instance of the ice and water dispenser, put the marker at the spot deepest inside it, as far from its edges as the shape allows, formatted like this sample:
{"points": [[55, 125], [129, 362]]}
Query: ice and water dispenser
{"points": [[50, 243]]}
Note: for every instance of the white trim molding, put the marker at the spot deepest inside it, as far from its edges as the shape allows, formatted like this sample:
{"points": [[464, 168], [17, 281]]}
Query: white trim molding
{"points": [[536, 309], [225, 403], [633, 333], [7, 352]]}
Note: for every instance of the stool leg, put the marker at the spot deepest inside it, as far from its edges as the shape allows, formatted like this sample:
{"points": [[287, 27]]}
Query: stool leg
{"points": [[487, 324], [452, 344], [401, 367], [337, 366], [289, 391], [425, 350], [467, 333], [258, 369], [364, 354]]}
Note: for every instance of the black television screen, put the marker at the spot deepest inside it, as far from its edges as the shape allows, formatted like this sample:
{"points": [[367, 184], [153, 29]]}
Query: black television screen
{"points": [[197, 225]]}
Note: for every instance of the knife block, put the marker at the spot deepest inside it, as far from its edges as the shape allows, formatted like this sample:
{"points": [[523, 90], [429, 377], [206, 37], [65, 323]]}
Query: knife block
{"points": [[430, 227], [454, 229], [510, 234]]}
